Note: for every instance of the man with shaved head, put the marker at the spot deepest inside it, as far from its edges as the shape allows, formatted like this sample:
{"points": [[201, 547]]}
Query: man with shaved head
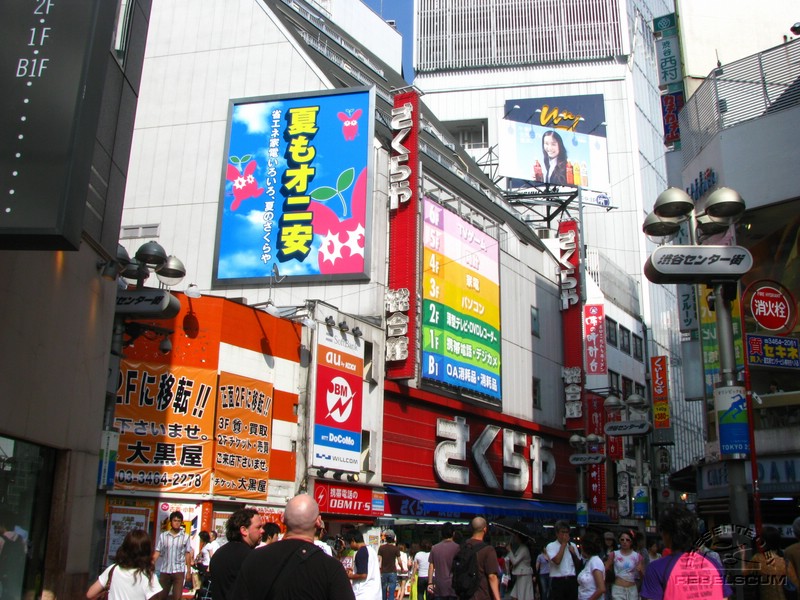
{"points": [[294, 568]]}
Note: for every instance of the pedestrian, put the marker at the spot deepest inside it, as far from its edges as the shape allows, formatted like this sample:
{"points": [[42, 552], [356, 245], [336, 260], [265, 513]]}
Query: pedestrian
{"points": [[324, 546], [769, 565], [440, 562], [609, 545], [389, 560], [201, 562], [592, 578], [174, 550], [792, 556], [293, 568], [272, 533], [132, 576], [564, 564], [518, 564], [543, 575], [684, 573], [419, 568], [628, 567], [488, 581], [366, 573], [243, 531], [402, 572], [216, 542]]}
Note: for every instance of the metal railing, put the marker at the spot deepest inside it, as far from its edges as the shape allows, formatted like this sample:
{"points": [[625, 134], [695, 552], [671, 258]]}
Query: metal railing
{"points": [[747, 89]]}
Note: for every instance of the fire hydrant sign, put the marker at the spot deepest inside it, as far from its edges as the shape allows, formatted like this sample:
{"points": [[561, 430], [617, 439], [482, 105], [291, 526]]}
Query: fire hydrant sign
{"points": [[339, 394]]}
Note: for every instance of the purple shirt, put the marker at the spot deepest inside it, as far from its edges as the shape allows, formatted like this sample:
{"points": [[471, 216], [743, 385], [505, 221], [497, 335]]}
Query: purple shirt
{"points": [[684, 575], [442, 555]]}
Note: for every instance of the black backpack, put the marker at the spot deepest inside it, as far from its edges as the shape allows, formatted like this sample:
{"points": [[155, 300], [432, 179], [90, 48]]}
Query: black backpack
{"points": [[465, 573]]}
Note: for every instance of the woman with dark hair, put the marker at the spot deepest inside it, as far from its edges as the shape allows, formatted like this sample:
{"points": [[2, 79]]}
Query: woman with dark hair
{"points": [[628, 567], [518, 560], [555, 158], [420, 568], [132, 575], [768, 563], [684, 573], [201, 561], [592, 578]]}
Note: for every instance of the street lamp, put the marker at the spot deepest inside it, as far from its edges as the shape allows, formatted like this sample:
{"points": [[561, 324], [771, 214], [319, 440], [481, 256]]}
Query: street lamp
{"points": [[589, 453], [720, 267]]}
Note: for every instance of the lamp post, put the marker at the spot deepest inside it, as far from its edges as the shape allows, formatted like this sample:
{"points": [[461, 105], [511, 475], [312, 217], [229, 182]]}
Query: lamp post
{"points": [[633, 405], [588, 454], [720, 267]]}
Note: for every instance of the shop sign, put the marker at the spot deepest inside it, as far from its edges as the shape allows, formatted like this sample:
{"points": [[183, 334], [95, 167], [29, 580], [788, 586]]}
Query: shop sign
{"points": [[594, 335], [697, 264], [770, 351], [348, 499], [517, 472], [624, 428]]}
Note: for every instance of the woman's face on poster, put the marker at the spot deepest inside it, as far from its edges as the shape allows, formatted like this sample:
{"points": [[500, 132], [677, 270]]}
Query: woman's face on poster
{"points": [[551, 146]]}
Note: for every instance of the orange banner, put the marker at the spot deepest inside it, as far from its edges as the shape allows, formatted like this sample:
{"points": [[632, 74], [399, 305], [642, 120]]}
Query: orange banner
{"points": [[244, 437], [660, 379], [165, 414]]}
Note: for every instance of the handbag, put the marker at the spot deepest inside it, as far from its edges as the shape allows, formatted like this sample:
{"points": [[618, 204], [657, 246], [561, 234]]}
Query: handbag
{"points": [[104, 594]]}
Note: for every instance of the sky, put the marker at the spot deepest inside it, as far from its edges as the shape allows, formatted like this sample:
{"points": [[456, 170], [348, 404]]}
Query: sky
{"points": [[402, 11]]}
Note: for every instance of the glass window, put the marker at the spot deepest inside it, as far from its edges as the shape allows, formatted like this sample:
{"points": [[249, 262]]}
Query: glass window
{"points": [[627, 387], [613, 380], [534, 321], [624, 340], [639, 389], [638, 348], [611, 332], [537, 393]]}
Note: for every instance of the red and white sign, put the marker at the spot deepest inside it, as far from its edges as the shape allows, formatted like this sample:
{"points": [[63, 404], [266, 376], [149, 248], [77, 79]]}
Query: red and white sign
{"points": [[401, 346], [594, 339], [348, 499], [772, 307], [571, 318]]}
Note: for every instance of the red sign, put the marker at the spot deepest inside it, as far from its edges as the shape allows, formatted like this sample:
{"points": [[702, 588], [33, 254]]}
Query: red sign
{"points": [[571, 316], [401, 356], [594, 339], [348, 499], [772, 306], [658, 372]]}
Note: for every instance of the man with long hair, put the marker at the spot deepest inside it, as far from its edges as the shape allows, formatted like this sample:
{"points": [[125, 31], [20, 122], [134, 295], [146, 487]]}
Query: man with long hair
{"points": [[243, 530]]}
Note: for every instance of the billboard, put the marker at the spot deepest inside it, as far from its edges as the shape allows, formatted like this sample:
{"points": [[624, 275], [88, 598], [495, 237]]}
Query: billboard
{"points": [[555, 140], [339, 398], [460, 304], [296, 188]]}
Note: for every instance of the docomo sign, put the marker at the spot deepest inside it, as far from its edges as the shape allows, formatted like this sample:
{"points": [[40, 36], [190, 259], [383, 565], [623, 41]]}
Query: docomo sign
{"points": [[516, 470], [772, 306]]}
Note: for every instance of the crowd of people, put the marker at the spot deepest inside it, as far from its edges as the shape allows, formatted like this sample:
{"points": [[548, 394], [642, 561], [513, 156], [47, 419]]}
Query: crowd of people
{"points": [[257, 562]]}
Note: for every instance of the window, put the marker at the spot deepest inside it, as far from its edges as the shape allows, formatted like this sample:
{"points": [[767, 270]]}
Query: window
{"points": [[624, 340], [613, 380], [638, 348], [537, 392], [627, 387], [611, 332], [639, 389], [534, 321]]}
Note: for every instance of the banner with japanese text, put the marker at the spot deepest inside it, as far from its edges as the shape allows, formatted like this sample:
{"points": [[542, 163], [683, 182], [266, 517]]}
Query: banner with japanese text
{"points": [[594, 339], [165, 415], [297, 187], [243, 437]]}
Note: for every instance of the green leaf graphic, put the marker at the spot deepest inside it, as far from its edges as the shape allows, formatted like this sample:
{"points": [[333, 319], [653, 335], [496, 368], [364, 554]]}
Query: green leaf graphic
{"points": [[345, 179], [324, 193]]}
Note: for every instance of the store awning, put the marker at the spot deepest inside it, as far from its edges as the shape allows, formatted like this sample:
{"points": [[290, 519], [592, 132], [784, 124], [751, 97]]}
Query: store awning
{"points": [[469, 505]]}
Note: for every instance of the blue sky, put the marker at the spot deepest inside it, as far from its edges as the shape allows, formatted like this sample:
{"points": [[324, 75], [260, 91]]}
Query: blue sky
{"points": [[402, 11]]}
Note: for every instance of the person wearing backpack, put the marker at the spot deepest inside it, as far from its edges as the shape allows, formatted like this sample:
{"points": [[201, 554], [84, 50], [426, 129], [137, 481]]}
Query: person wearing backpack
{"points": [[474, 569]]}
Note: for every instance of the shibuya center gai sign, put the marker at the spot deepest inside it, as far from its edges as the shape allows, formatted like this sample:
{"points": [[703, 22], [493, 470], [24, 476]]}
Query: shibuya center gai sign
{"points": [[296, 187]]}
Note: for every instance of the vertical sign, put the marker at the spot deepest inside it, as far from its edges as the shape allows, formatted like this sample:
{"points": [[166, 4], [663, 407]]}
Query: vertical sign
{"points": [[662, 426], [571, 321], [670, 76], [52, 73], [165, 414], [708, 330], [594, 336], [461, 304], [730, 405], [595, 423], [401, 353], [243, 437], [339, 397]]}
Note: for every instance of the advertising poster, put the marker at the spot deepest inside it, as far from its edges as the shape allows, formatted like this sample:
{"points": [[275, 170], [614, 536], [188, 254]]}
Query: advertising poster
{"points": [[339, 399], [708, 337], [165, 416], [730, 405], [555, 140], [594, 336], [243, 437], [348, 499], [772, 351], [460, 304], [121, 520], [296, 187]]}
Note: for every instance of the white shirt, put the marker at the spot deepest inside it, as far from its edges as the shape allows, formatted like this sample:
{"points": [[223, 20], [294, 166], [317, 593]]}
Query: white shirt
{"points": [[127, 585], [586, 584], [423, 560], [369, 588], [567, 566], [325, 547]]}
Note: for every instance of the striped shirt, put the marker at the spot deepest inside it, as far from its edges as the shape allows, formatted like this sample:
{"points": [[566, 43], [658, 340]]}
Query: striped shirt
{"points": [[172, 551]]}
